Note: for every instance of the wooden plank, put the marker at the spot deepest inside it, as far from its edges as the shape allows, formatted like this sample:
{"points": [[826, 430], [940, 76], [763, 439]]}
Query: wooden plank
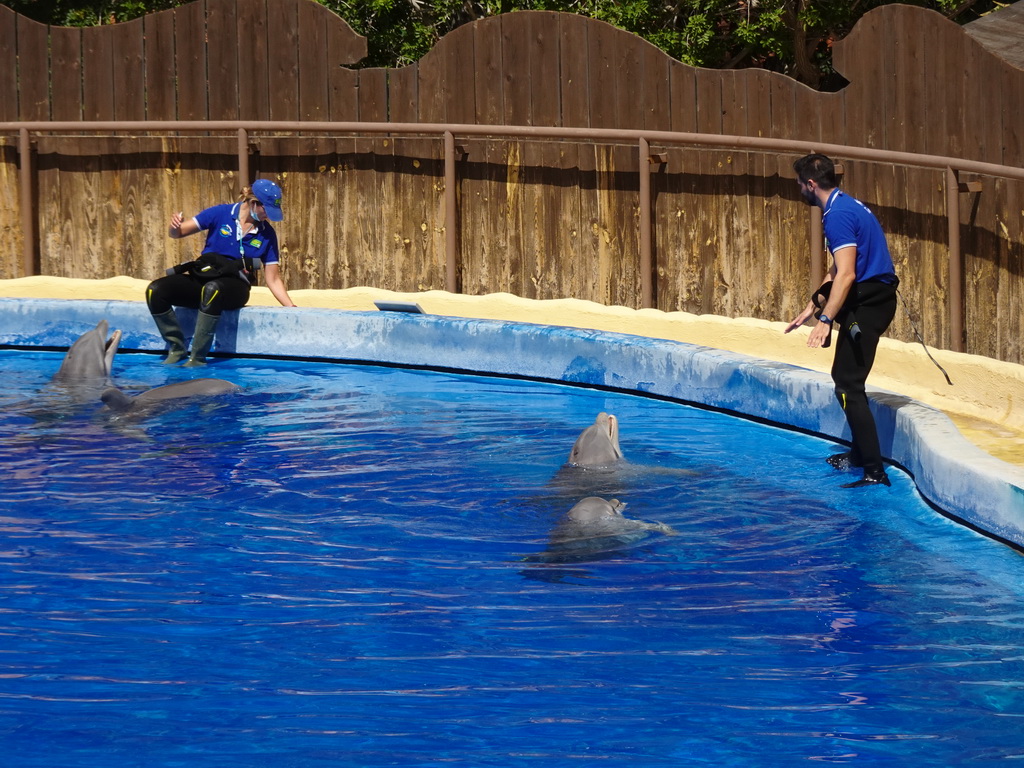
{"points": [[252, 36], [734, 251], [788, 221], [544, 67], [548, 210], [10, 209], [373, 95], [710, 218], [459, 55], [161, 88], [980, 282], [604, 67], [343, 95], [677, 204], [433, 84], [52, 218], [98, 74], [485, 241], [283, 65], [190, 56], [655, 88], [129, 70], [541, 194], [314, 64], [227, 62], [516, 81], [574, 64], [8, 65], [33, 69], [66, 73], [490, 91], [521, 264], [403, 94], [574, 89], [947, 94]]}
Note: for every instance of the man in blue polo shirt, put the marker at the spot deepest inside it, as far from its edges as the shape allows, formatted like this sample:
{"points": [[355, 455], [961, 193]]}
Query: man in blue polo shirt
{"points": [[859, 293]]}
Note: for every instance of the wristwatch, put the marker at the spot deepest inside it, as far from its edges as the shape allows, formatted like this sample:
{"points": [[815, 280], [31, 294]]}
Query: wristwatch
{"points": [[825, 319]]}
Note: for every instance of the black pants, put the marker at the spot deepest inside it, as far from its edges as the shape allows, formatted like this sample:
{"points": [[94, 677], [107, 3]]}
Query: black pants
{"points": [[184, 290], [873, 306]]}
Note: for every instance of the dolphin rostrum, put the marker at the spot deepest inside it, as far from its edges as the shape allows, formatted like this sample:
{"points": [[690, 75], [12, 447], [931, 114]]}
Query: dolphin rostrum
{"points": [[598, 444], [117, 400]]}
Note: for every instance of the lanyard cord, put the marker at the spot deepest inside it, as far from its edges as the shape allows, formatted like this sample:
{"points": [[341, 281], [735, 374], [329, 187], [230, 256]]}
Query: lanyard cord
{"points": [[920, 339]]}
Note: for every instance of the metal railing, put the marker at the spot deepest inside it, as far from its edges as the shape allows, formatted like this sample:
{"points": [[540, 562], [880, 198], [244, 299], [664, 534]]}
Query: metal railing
{"points": [[643, 139]]}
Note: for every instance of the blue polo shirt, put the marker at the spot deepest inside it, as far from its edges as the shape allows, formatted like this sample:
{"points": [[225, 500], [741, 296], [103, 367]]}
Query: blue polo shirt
{"points": [[224, 235], [847, 221]]}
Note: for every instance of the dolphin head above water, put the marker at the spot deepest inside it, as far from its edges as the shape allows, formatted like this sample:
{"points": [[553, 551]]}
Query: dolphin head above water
{"points": [[598, 444], [91, 357]]}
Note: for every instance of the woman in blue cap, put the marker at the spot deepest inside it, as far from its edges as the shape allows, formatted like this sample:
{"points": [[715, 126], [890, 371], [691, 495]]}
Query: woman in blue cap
{"points": [[239, 240]]}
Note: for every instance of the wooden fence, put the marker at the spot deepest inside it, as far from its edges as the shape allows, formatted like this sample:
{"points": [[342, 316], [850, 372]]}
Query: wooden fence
{"points": [[537, 218]]}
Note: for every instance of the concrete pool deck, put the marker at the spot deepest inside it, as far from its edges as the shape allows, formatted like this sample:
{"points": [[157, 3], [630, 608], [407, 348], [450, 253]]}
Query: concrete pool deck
{"points": [[746, 366]]}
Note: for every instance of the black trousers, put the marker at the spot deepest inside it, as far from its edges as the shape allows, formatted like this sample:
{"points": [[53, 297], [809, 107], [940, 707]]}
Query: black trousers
{"points": [[184, 290], [872, 306]]}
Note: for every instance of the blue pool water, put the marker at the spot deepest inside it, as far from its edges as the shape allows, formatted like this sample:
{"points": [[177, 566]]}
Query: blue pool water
{"points": [[346, 565]]}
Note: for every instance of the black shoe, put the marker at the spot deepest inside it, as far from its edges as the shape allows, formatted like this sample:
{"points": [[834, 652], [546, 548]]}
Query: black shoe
{"points": [[842, 461], [877, 477]]}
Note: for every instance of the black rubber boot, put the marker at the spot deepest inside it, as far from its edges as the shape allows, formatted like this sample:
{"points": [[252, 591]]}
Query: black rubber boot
{"points": [[170, 331], [871, 477], [202, 339], [843, 461]]}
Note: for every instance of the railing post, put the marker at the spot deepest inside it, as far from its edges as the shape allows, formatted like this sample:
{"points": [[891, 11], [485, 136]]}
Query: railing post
{"points": [[956, 277], [25, 182], [646, 273], [243, 159], [451, 241]]}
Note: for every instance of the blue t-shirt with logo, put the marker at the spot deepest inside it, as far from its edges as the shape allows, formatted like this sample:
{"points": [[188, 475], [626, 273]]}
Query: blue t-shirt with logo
{"points": [[224, 235], [847, 221]]}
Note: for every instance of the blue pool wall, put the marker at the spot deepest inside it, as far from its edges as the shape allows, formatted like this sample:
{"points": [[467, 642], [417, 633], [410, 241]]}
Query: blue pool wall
{"points": [[952, 473]]}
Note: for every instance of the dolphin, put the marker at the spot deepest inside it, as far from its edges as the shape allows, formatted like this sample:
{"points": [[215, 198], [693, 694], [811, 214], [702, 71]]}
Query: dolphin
{"points": [[593, 519], [598, 444], [90, 358], [118, 401], [594, 529]]}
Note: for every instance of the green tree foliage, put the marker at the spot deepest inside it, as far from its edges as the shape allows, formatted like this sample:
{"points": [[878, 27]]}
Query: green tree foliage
{"points": [[789, 36]]}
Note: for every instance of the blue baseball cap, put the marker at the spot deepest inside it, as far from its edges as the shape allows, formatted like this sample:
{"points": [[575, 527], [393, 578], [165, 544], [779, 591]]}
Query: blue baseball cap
{"points": [[269, 195]]}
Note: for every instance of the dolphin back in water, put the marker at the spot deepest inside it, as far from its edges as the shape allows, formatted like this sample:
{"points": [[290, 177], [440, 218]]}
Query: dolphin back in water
{"points": [[91, 357], [117, 400]]}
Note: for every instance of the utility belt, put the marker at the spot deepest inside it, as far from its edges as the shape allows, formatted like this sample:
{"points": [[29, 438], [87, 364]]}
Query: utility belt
{"points": [[210, 266], [864, 293]]}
